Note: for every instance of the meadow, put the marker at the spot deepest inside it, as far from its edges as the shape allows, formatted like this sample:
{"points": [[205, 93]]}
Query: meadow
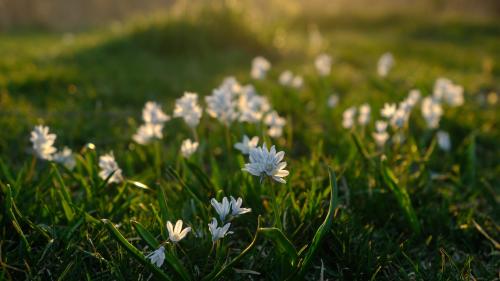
{"points": [[408, 198]]}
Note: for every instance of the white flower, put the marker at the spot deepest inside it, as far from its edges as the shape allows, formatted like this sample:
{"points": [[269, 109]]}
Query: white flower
{"points": [[446, 90], [323, 64], [247, 144], [108, 165], [157, 257], [443, 139], [380, 138], [236, 209], [177, 234], [218, 232], [188, 148], [431, 111], [43, 142], [364, 114], [222, 105], [148, 131], [297, 82], [265, 162], [380, 126], [275, 123], [153, 114], [223, 208], [251, 106], [399, 118], [385, 64], [230, 84], [413, 97], [65, 157], [286, 78], [333, 100], [260, 66], [348, 117], [388, 110], [187, 107]]}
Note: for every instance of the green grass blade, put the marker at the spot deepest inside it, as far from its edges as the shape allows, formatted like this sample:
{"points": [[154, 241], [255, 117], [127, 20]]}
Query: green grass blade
{"points": [[118, 237], [9, 202], [64, 195], [324, 228], [145, 234], [401, 195], [281, 242]]}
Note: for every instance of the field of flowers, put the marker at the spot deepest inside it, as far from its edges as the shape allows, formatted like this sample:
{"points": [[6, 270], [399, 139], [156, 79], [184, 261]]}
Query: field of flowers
{"points": [[224, 146]]}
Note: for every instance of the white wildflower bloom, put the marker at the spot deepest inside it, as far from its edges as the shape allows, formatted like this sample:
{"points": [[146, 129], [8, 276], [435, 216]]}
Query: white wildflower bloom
{"points": [[43, 142], [231, 84], [399, 118], [187, 107], [364, 114], [440, 88], [286, 78], [247, 144], [297, 82], [252, 106], [380, 126], [260, 67], [265, 162], [348, 117], [188, 147], [385, 63], [109, 166], [413, 97], [218, 232], [388, 110], [223, 208], [333, 100], [236, 209], [275, 123], [323, 64], [432, 112], [222, 105], [380, 138], [447, 91], [152, 113], [147, 132], [65, 158], [157, 257], [443, 139], [176, 234]]}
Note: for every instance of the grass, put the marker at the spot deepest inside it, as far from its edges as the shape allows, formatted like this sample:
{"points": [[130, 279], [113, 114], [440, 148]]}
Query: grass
{"points": [[407, 217]]}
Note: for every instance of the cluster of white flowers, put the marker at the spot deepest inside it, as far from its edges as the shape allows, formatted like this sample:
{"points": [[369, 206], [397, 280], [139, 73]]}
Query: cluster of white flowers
{"points": [[175, 234], [275, 124], [264, 162], [260, 67], [247, 144], [109, 168], [188, 147], [385, 63], [432, 112], [154, 119], [323, 64], [251, 105], [288, 79], [348, 117], [222, 104], [43, 145], [187, 108], [364, 114], [223, 209], [445, 90], [380, 135]]}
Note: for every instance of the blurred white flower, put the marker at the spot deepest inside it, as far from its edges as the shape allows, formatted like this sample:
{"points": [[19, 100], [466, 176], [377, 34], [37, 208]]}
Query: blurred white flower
{"points": [[247, 144], [443, 139], [286, 78], [265, 162], [236, 209], [385, 64], [260, 67], [275, 123], [297, 82], [380, 126], [380, 135], [223, 208], [188, 147], [65, 158], [230, 84], [432, 112], [413, 97], [348, 117], [399, 118], [177, 234], [445, 90], [109, 166], [364, 114], [43, 142], [148, 131], [157, 257], [333, 100], [222, 105], [187, 107], [323, 64], [152, 113], [218, 232], [251, 106], [388, 110]]}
